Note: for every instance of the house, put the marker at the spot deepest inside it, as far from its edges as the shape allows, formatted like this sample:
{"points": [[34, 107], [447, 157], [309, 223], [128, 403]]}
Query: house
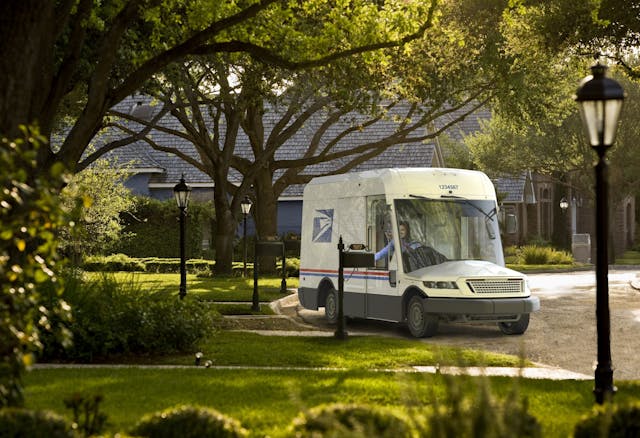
{"points": [[532, 199]]}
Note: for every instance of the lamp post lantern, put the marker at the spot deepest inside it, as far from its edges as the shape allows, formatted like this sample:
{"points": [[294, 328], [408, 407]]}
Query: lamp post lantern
{"points": [[182, 192], [246, 208], [600, 100], [564, 204]]}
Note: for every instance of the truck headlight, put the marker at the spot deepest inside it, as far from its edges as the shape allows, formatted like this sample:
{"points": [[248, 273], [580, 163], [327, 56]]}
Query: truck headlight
{"points": [[440, 284]]}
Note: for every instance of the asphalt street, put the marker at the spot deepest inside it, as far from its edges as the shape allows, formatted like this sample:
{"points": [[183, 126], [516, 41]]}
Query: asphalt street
{"points": [[562, 334]]}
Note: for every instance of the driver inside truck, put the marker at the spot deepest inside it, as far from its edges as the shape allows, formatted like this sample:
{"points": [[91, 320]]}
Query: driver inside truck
{"points": [[405, 241]]}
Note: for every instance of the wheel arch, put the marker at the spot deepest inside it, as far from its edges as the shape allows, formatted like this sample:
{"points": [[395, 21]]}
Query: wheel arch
{"points": [[411, 292], [324, 287]]}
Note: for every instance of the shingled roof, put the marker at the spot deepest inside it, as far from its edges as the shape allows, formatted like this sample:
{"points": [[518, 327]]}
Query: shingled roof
{"points": [[517, 189], [166, 168]]}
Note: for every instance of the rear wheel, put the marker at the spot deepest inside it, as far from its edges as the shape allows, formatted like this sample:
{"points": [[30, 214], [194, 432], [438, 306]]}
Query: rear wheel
{"points": [[331, 306], [421, 324], [517, 327]]}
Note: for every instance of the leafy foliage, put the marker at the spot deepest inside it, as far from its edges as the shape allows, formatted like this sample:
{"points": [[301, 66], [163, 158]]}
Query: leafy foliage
{"points": [[481, 415], [349, 420], [610, 421], [88, 418], [30, 216], [542, 255], [153, 231], [112, 317], [189, 422], [19, 423], [105, 199]]}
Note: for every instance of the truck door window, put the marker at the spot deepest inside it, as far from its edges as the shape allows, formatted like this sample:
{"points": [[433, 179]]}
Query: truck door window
{"points": [[379, 226]]}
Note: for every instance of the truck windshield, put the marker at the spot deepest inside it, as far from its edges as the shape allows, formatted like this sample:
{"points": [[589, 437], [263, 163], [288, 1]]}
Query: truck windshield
{"points": [[433, 231]]}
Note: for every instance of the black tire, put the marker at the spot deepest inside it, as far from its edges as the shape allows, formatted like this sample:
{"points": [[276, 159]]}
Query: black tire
{"points": [[331, 306], [517, 327], [421, 324]]}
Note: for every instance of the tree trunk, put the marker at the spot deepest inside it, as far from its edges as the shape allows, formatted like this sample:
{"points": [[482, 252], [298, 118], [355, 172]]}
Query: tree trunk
{"points": [[225, 234], [26, 44], [266, 216]]}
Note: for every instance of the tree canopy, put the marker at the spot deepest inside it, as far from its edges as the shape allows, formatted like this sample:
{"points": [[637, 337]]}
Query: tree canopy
{"points": [[80, 57]]}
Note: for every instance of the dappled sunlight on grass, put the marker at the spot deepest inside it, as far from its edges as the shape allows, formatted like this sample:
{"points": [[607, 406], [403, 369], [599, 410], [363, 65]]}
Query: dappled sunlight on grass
{"points": [[206, 288]]}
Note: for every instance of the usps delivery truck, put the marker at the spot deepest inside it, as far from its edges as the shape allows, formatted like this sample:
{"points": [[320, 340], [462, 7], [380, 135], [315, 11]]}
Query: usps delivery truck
{"points": [[436, 239]]}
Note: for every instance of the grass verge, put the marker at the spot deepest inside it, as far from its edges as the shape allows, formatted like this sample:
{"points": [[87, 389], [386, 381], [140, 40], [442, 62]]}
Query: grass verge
{"points": [[265, 401]]}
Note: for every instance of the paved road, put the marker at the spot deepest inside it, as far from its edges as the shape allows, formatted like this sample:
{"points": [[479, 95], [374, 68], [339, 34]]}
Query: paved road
{"points": [[562, 334]]}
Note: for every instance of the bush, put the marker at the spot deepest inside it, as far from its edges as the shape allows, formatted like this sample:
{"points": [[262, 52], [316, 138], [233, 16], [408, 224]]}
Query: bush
{"points": [[20, 423], [535, 255], [189, 422], [113, 263], [166, 265], [542, 255], [118, 318], [340, 420], [153, 231], [619, 422]]}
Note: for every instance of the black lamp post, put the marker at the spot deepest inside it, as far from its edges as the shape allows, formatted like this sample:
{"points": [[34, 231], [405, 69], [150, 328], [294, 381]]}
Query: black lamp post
{"points": [[600, 100], [182, 192], [246, 208]]}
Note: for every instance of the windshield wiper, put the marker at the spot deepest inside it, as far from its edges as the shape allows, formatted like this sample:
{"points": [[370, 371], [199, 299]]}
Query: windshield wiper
{"points": [[489, 215]]}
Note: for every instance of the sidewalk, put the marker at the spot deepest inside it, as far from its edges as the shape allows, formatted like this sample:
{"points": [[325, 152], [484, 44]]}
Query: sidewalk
{"points": [[541, 372]]}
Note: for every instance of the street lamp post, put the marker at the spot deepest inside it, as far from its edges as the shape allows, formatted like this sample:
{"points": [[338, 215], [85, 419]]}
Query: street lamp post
{"points": [[246, 208], [564, 205], [182, 192], [600, 100]]}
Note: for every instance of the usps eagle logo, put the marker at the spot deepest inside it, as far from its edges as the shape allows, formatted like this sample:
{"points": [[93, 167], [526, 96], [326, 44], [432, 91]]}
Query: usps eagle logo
{"points": [[322, 225]]}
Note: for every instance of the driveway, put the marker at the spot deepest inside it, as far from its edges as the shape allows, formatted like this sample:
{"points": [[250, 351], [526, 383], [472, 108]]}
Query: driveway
{"points": [[562, 334]]}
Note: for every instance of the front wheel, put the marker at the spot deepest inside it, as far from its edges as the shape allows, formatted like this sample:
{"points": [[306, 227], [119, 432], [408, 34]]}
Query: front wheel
{"points": [[331, 306], [517, 327], [421, 324]]}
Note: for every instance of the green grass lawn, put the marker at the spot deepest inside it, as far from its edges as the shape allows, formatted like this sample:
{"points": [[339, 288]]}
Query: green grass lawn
{"points": [[629, 258], [206, 288], [266, 401], [265, 398]]}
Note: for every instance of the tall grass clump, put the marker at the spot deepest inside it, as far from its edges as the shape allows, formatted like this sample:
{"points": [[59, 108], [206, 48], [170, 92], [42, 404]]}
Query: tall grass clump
{"points": [[481, 415], [543, 255], [116, 317]]}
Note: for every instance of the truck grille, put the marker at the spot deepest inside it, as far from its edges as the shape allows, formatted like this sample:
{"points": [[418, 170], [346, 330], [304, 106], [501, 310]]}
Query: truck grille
{"points": [[506, 286]]}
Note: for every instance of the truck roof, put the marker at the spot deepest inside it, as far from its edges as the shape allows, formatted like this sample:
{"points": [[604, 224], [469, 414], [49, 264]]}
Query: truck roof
{"points": [[422, 181]]}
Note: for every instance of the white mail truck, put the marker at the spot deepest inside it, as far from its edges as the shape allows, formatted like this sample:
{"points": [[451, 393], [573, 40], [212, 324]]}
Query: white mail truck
{"points": [[438, 253]]}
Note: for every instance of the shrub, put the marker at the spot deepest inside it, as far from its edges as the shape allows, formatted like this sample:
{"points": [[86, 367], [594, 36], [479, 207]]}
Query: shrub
{"points": [[87, 415], [618, 422], [111, 317], [31, 216], [166, 265], [189, 422], [19, 423], [152, 230], [561, 258], [113, 263], [344, 420], [535, 255], [543, 255]]}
